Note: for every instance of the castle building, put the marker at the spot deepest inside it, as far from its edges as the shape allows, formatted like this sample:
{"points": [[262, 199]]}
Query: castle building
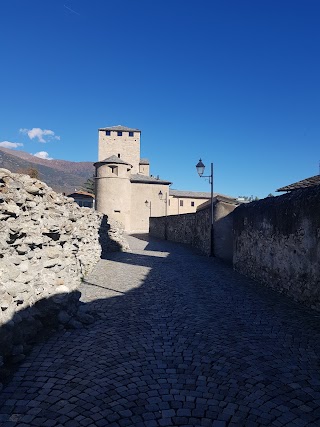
{"points": [[125, 190]]}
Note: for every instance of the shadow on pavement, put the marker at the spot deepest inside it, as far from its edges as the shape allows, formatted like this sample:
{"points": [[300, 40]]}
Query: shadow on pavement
{"points": [[179, 339]]}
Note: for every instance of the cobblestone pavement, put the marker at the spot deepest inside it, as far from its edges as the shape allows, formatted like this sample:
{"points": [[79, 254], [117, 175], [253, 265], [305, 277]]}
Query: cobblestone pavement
{"points": [[180, 340]]}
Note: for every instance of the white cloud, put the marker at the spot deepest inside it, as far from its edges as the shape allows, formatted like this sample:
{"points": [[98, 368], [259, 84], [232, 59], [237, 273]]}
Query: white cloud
{"points": [[8, 144], [43, 155], [43, 135]]}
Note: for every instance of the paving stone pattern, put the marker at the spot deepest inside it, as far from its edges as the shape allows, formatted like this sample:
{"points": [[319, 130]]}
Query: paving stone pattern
{"points": [[180, 339]]}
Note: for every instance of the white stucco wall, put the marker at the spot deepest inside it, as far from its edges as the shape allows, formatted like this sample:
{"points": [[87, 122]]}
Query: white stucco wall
{"points": [[174, 207]]}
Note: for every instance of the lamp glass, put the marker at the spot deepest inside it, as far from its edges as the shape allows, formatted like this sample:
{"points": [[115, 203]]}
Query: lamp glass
{"points": [[200, 167], [160, 194]]}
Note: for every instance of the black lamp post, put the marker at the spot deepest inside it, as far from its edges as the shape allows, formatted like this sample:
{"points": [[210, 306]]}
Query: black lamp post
{"points": [[200, 169], [164, 198]]}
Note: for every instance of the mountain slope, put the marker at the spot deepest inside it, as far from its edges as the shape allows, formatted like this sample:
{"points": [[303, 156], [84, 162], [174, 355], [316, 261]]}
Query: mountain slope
{"points": [[62, 175]]}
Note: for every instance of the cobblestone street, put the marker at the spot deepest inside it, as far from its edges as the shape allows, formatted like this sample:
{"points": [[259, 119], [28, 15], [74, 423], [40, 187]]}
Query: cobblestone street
{"points": [[180, 339]]}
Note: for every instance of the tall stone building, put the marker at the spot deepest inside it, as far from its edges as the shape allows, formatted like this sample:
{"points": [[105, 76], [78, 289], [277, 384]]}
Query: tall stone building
{"points": [[126, 191], [122, 142]]}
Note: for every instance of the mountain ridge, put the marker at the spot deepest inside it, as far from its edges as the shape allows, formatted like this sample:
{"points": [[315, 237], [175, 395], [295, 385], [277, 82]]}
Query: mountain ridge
{"points": [[63, 176]]}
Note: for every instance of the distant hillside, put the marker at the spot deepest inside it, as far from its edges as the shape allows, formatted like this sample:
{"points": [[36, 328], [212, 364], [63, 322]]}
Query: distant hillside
{"points": [[63, 176]]}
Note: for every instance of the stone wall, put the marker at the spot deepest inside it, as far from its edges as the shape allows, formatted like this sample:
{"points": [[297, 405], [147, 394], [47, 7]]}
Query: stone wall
{"points": [[194, 229], [47, 245], [202, 230], [223, 230], [277, 242], [180, 228], [157, 227]]}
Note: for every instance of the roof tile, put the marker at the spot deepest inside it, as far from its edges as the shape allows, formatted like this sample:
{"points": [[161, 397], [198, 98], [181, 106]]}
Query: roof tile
{"points": [[305, 183], [113, 159]]}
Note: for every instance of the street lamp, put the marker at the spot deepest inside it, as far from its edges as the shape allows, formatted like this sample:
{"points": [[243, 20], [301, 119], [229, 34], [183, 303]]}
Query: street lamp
{"points": [[200, 169], [164, 198]]}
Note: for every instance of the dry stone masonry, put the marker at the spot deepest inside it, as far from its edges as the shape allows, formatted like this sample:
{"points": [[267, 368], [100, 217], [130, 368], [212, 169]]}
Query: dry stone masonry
{"points": [[116, 241], [47, 245]]}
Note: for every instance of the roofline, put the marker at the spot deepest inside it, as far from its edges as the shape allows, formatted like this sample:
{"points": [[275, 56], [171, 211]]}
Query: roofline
{"points": [[81, 193], [218, 198], [190, 197], [102, 162], [288, 189], [302, 184], [114, 128], [156, 181]]}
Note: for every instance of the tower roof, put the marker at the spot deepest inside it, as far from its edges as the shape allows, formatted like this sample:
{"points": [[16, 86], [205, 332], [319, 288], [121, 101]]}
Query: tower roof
{"points": [[144, 162], [120, 128], [145, 179], [114, 160]]}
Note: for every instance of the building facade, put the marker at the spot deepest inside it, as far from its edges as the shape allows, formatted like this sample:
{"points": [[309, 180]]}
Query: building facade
{"points": [[83, 198], [125, 190], [181, 202]]}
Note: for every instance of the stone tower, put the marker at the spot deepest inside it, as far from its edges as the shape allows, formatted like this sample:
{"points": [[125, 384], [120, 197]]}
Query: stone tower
{"points": [[125, 190], [113, 189], [122, 142]]}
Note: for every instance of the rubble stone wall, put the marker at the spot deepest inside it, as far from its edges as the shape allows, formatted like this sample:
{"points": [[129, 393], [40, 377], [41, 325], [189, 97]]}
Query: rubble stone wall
{"points": [[47, 245], [277, 242]]}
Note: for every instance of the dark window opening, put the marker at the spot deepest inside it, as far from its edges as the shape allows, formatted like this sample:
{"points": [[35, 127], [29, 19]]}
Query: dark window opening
{"points": [[119, 155], [192, 203], [130, 133], [116, 211], [181, 202], [108, 133], [119, 133], [84, 204], [114, 169]]}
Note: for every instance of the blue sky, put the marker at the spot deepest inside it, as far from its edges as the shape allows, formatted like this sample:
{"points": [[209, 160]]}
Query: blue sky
{"points": [[235, 82]]}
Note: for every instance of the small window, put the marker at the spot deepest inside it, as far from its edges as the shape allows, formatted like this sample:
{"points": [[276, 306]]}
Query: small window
{"points": [[169, 202], [119, 155], [119, 133], [114, 169], [84, 203], [192, 203], [108, 133], [181, 202], [130, 133], [116, 211]]}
